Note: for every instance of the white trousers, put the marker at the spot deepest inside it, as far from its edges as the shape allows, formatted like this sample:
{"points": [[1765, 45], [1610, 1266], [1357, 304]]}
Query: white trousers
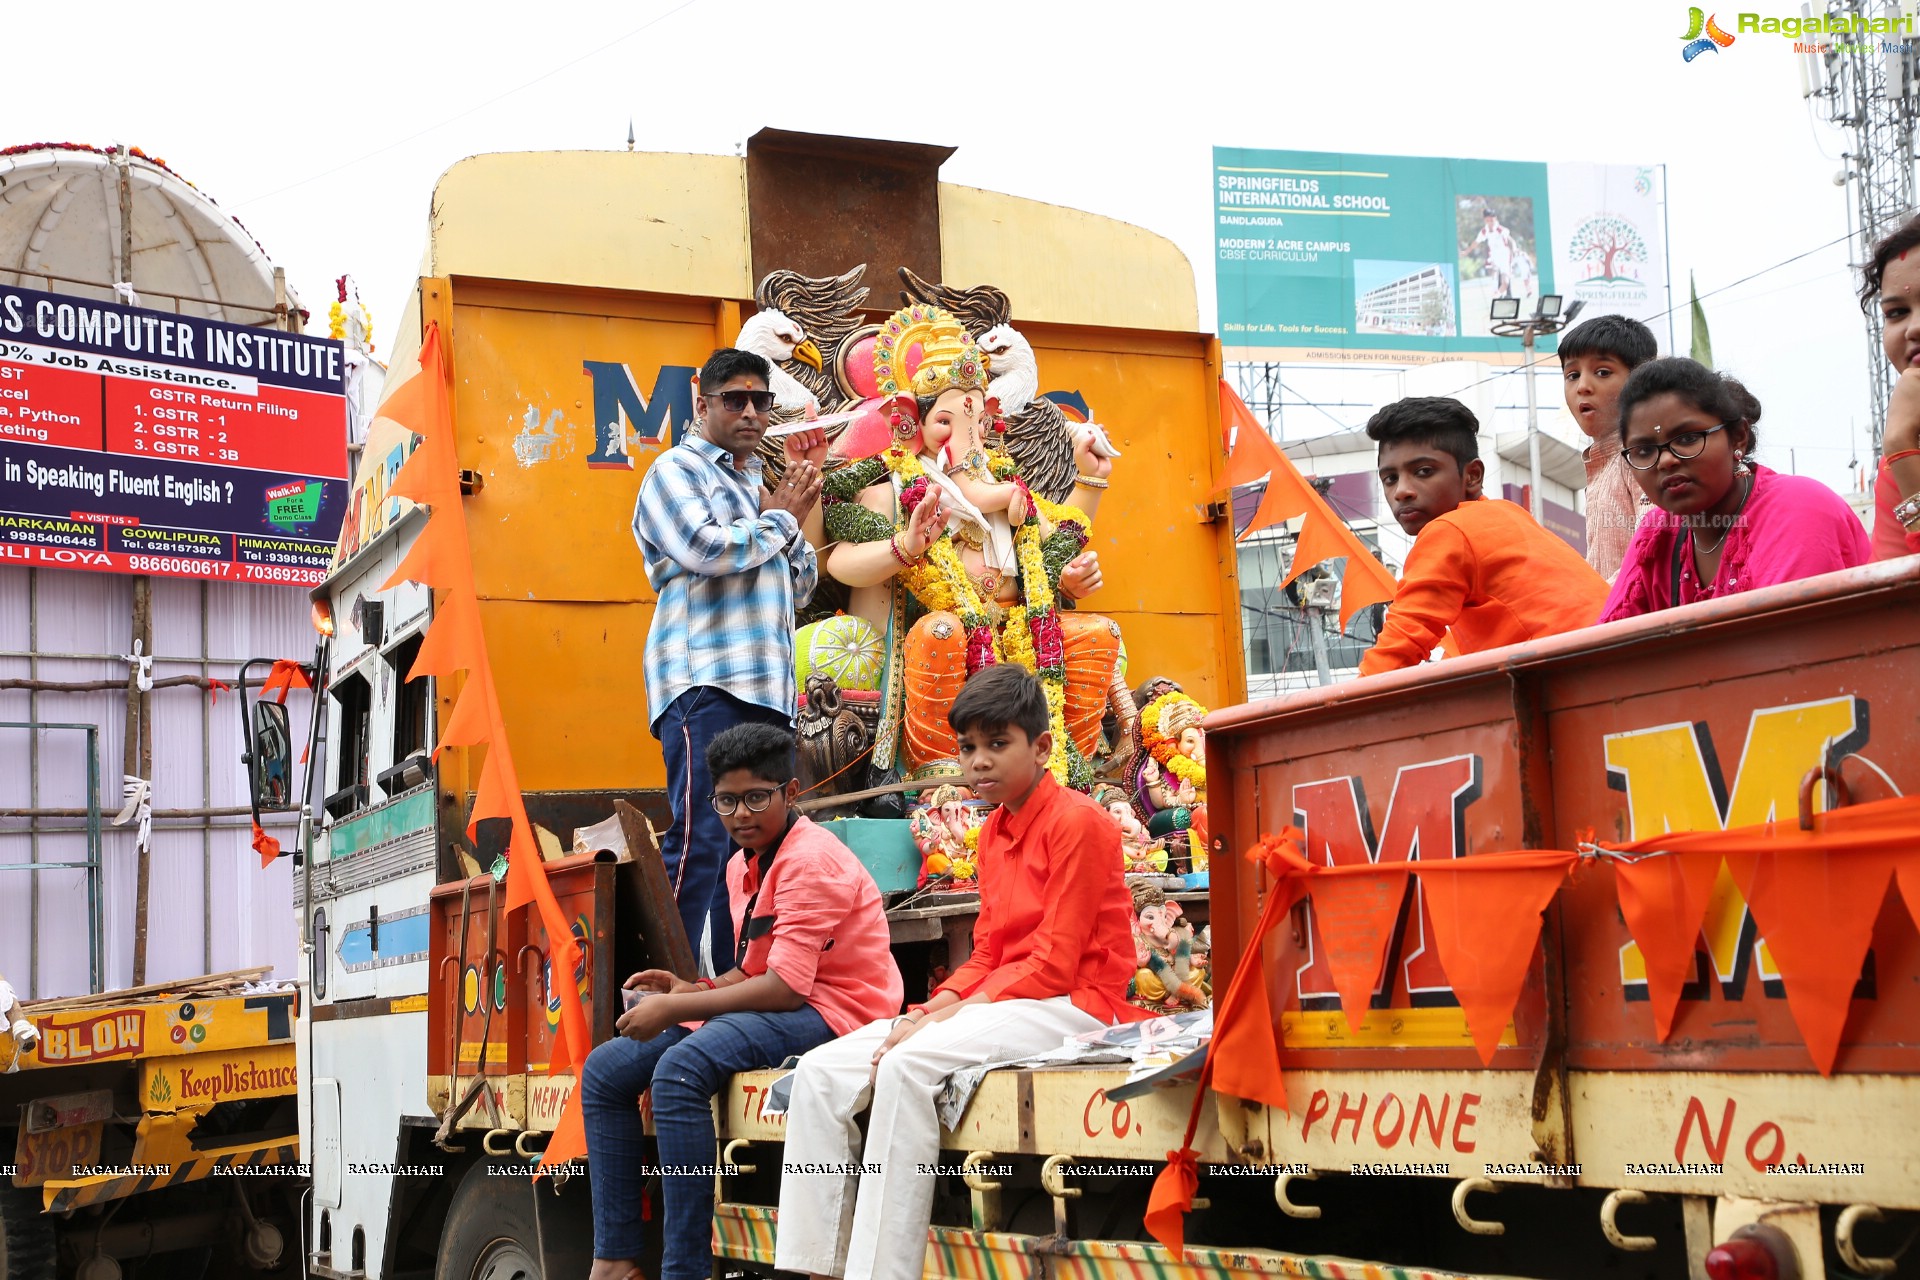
{"points": [[882, 1234]]}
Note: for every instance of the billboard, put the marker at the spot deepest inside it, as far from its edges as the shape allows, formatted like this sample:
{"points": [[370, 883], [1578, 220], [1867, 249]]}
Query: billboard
{"points": [[1329, 257], [137, 441]]}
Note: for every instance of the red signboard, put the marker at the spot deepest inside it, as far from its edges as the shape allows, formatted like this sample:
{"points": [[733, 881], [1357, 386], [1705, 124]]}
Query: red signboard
{"points": [[136, 441]]}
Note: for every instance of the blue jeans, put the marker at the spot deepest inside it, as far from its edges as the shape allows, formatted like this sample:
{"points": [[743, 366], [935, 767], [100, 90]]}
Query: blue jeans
{"points": [[695, 846], [684, 1069]]}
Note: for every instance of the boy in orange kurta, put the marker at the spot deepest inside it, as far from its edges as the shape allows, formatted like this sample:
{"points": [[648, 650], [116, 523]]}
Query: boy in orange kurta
{"points": [[1481, 567]]}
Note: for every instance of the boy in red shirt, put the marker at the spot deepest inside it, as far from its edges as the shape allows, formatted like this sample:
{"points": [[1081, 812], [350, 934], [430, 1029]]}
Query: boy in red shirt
{"points": [[1053, 950], [1481, 567], [811, 963]]}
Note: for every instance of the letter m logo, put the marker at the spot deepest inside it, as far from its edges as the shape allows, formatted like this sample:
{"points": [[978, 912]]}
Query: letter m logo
{"points": [[622, 415], [1674, 782], [1426, 818]]}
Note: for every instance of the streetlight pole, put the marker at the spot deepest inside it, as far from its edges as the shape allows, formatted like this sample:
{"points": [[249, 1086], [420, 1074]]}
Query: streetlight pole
{"points": [[1508, 323], [1533, 428]]}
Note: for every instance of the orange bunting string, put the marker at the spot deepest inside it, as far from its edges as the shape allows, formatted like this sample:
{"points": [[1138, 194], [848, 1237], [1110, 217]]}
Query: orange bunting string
{"points": [[1324, 536], [1814, 896], [1486, 924], [441, 557]]}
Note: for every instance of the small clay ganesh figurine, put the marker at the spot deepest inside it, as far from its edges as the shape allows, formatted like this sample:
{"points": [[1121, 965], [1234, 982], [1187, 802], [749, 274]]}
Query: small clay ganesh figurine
{"points": [[1170, 976], [1171, 775], [942, 830], [1141, 851]]}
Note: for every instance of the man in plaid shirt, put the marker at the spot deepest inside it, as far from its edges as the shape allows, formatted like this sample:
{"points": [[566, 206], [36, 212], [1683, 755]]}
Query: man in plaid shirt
{"points": [[729, 564]]}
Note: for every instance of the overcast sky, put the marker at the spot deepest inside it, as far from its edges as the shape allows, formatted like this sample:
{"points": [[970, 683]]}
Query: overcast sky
{"points": [[324, 128]]}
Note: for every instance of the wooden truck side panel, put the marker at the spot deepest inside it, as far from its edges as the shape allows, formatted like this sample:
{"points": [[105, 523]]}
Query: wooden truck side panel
{"points": [[1706, 717]]}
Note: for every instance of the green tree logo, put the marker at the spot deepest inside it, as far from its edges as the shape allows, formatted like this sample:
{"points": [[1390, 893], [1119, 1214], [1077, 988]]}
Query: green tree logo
{"points": [[160, 1090], [1606, 244]]}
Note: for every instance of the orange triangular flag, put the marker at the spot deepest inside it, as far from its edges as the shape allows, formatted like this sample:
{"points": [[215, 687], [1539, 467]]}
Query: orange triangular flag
{"points": [[439, 557], [1171, 1198], [1486, 926], [1320, 539], [1664, 901], [1251, 452], [1907, 873], [1355, 909], [1816, 911], [455, 641], [469, 724], [406, 402]]}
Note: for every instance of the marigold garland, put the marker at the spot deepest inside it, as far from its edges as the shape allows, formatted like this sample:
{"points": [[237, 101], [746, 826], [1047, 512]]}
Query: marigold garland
{"points": [[1165, 747], [1030, 636]]}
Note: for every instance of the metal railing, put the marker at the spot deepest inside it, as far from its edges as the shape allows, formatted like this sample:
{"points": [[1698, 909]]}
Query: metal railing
{"points": [[96, 979]]}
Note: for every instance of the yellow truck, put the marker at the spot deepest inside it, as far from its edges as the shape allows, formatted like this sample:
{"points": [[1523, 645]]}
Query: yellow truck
{"points": [[153, 1131], [575, 295]]}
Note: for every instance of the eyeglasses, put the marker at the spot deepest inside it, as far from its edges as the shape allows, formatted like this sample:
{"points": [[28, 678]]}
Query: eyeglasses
{"points": [[1686, 445], [725, 802], [737, 401]]}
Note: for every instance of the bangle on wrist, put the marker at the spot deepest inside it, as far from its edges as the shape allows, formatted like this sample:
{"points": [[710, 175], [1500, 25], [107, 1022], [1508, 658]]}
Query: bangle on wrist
{"points": [[707, 983], [917, 1008], [1090, 482], [899, 552], [1892, 458], [1907, 512]]}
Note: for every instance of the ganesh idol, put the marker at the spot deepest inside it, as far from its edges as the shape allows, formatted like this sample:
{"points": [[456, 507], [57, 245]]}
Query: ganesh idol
{"points": [[953, 562]]}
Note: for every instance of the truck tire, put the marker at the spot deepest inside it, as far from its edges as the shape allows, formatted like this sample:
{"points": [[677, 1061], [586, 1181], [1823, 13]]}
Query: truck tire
{"points": [[491, 1230], [26, 1235]]}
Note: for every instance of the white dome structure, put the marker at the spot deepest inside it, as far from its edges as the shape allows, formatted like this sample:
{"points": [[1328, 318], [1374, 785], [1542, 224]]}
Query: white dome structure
{"points": [[61, 232]]}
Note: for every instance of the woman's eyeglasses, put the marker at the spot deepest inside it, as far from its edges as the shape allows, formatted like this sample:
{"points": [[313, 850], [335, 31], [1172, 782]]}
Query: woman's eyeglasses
{"points": [[1685, 446], [725, 803], [737, 401]]}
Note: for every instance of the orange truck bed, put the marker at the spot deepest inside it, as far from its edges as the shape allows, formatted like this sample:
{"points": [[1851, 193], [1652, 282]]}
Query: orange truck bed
{"points": [[1703, 718]]}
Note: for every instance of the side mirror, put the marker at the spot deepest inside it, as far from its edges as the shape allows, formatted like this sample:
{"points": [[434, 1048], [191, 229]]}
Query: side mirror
{"points": [[271, 762]]}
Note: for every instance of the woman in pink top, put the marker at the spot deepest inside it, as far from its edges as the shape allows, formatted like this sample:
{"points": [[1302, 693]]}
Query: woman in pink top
{"points": [[1891, 279], [811, 963], [1725, 524]]}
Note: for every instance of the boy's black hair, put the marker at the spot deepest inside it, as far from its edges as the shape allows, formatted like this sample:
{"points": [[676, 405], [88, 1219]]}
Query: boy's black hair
{"points": [[1440, 421], [1896, 245], [999, 697], [1719, 397], [1620, 337], [762, 750], [730, 362]]}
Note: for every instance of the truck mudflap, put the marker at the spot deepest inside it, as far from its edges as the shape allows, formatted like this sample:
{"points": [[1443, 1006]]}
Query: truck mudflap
{"points": [[745, 1234]]}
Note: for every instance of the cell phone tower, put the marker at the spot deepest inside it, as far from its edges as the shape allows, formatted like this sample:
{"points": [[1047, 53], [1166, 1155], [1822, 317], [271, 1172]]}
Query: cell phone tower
{"points": [[1869, 86]]}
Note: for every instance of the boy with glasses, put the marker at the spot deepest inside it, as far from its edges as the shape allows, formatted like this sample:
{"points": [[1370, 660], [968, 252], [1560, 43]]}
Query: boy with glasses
{"points": [[812, 963], [729, 564], [1480, 567]]}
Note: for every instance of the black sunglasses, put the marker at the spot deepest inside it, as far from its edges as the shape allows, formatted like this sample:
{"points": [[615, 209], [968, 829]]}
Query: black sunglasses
{"points": [[737, 401]]}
